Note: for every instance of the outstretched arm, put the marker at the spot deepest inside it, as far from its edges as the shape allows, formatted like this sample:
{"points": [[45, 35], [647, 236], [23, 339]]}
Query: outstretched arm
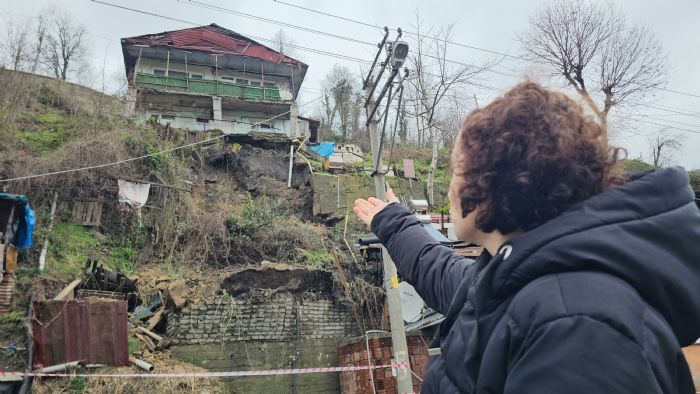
{"points": [[433, 269]]}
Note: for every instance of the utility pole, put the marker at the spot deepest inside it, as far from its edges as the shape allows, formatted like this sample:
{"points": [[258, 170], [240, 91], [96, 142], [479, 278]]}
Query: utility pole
{"points": [[391, 281]]}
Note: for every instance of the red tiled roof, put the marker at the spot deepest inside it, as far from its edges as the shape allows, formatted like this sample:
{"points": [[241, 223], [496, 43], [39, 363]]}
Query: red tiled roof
{"points": [[213, 39]]}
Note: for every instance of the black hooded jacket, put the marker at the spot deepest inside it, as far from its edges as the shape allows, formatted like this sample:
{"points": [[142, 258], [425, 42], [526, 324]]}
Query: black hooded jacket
{"points": [[597, 300]]}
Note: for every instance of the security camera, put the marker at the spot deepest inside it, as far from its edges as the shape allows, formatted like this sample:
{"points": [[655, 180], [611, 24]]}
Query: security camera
{"points": [[399, 54]]}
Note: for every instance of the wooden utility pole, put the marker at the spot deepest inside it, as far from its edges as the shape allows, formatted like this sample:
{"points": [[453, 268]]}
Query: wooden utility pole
{"points": [[391, 280]]}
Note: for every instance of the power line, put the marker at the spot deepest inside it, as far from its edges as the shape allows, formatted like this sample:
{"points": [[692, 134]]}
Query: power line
{"points": [[273, 21], [323, 33], [312, 50], [666, 120], [452, 42], [666, 125], [93, 167], [407, 32]]}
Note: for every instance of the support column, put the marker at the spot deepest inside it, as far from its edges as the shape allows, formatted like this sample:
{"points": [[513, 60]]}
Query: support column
{"points": [[218, 114], [293, 114], [131, 95]]}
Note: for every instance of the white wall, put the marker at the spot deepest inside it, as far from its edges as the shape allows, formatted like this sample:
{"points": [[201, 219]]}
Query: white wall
{"points": [[236, 122]]}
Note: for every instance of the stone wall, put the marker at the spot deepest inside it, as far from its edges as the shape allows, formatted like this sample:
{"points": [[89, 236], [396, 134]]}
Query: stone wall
{"points": [[333, 194], [265, 332], [277, 318]]}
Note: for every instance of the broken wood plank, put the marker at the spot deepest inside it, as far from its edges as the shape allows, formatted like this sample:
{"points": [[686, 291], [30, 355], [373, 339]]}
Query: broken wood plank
{"points": [[155, 319], [146, 340], [67, 292], [150, 333]]}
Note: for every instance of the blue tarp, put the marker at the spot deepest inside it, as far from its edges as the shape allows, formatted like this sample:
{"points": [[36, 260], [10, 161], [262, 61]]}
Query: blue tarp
{"points": [[324, 149], [26, 224]]}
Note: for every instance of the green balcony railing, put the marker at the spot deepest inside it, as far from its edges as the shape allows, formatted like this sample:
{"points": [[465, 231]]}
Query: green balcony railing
{"points": [[204, 86]]}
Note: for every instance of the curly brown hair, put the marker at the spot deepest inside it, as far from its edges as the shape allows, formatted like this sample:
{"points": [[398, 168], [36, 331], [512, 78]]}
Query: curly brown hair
{"points": [[527, 157]]}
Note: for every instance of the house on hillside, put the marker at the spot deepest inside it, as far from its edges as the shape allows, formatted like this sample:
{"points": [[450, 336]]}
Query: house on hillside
{"points": [[208, 77]]}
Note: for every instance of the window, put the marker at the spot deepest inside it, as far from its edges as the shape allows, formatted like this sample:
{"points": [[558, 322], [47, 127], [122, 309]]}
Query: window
{"points": [[177, 74], [269, 84], [228, 78], [241, 81], [159, 72], [201, 123], [254, 83], [195, 76], [168, 118]]}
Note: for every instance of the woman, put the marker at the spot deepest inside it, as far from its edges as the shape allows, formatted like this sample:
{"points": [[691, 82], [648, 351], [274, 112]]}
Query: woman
{"points": [[588, 283]]}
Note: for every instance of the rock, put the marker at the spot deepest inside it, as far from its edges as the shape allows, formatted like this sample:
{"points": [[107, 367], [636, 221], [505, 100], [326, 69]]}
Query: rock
{"points": [[177, 291]]}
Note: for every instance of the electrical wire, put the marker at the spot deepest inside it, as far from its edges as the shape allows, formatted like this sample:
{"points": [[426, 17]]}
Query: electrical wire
{"points": [[139, 157], [323, 33], [312, 50], [453, 42], [407, 32]]}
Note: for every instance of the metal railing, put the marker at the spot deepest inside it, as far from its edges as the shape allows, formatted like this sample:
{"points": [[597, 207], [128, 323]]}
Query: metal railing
{"points": [[206, 86]]}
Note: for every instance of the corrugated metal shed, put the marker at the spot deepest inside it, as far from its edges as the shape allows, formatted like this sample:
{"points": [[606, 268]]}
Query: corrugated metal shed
{"points": [[94, 330]]}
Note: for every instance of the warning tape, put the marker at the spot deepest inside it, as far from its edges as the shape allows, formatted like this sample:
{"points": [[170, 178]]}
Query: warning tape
{"points": [[222, 374]]}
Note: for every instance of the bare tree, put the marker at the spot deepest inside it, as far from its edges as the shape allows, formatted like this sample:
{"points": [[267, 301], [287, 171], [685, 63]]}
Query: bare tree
{"points": [[591, 45], [433, 77], [66, 45], [15, 44], [339, 97], [662, 147], [40, 34], [284, 44]]}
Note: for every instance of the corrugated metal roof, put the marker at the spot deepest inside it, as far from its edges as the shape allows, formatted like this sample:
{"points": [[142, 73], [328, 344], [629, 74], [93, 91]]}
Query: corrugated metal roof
{"points": [[435, 233], [213, 39], [91, 330]]}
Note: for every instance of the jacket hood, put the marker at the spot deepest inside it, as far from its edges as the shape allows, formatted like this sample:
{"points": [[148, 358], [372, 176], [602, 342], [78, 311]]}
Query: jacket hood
{"points": [[646, 232]]}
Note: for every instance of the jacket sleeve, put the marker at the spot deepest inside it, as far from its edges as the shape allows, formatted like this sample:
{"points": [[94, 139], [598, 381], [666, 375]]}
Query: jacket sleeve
{"points": [[579, 354], [433, 269]]}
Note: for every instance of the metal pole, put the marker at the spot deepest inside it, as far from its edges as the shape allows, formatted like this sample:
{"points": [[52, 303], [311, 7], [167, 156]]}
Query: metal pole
{"points": [[391, 281], [291, 164]]}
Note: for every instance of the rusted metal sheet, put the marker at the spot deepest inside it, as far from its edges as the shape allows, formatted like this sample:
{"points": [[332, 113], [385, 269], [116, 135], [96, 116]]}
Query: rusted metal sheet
{"points": [[212, 39], [91, 330]]}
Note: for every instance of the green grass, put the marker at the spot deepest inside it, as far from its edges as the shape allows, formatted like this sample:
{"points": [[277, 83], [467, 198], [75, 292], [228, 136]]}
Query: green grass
{"points": [[49, 134], [70, 246], [122, 258], [50, 118], [77, 385], [317, 259], [11, 324], [43, 140]]}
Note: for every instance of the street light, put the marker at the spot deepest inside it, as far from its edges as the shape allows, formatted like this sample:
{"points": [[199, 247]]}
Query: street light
{"points": [[399, 54]]}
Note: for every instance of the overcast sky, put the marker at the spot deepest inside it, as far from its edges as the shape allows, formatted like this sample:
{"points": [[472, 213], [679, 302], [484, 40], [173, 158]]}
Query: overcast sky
{"points": [[490, 25]]}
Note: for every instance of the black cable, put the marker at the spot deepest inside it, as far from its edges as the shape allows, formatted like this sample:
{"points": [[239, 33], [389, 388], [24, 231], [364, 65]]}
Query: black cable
{"points": [[396, 122], [453, 43]]}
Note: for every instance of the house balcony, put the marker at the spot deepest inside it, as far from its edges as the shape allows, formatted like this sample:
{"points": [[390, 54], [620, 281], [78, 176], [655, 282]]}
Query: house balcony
{"points": [[206, 87]]}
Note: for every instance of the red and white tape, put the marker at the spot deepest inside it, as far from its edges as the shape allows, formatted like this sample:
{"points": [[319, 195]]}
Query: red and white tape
{"points": [[222, 374]]}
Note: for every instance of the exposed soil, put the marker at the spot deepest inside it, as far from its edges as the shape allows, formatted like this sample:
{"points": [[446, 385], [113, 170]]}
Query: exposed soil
{"points": [[278, 277], [264, 172]]}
